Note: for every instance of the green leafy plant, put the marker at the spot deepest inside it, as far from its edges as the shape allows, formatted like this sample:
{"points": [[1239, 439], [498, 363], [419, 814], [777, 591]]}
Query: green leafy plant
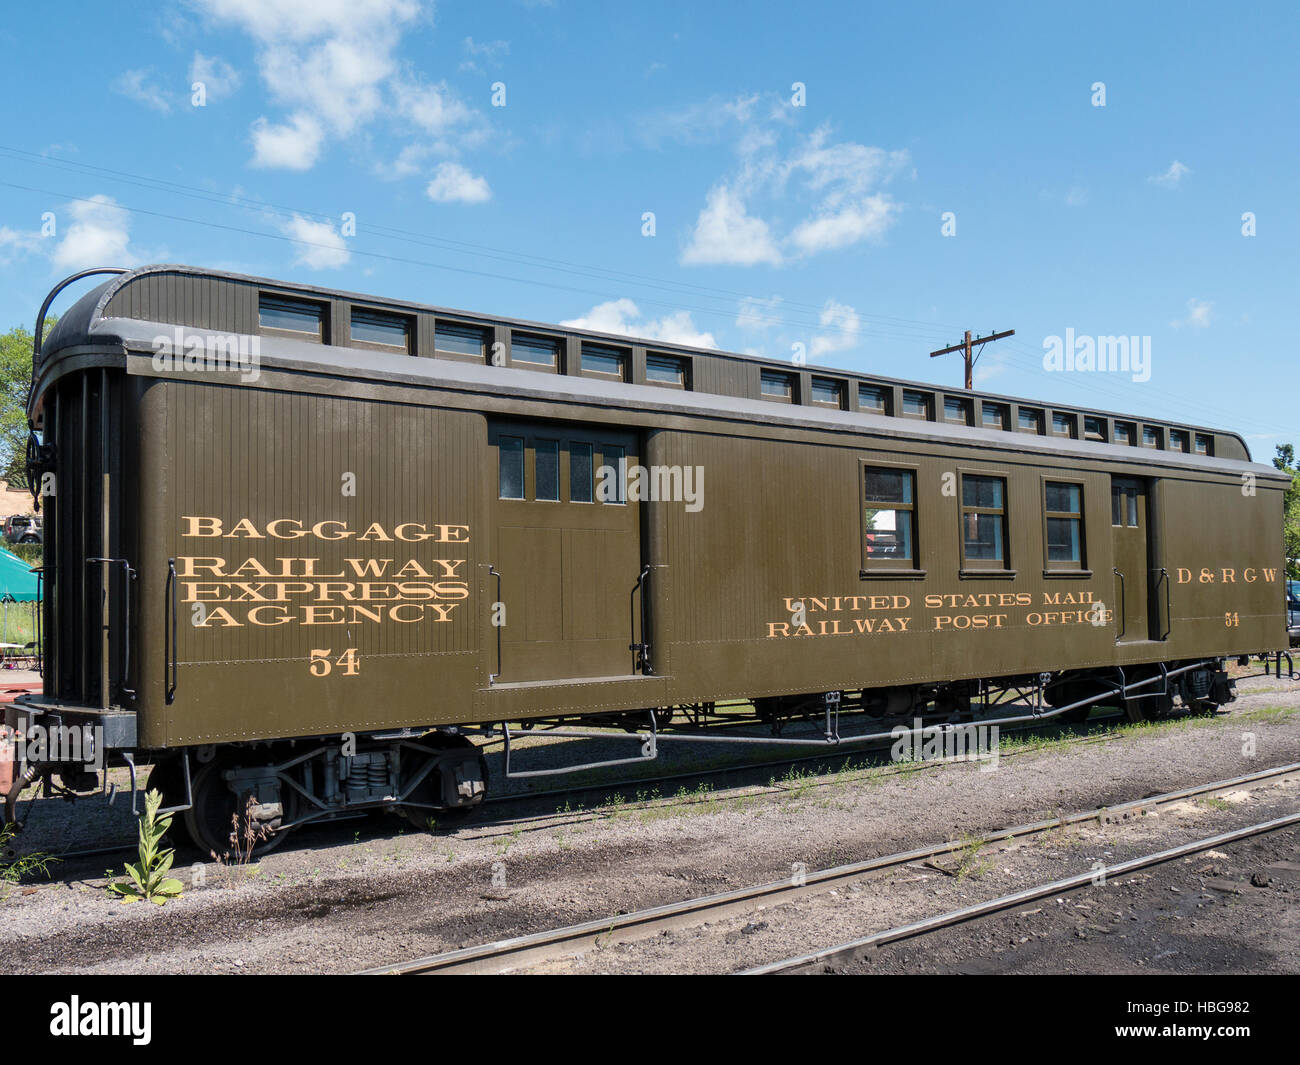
{"points": [[148, 877], [13, 869]]}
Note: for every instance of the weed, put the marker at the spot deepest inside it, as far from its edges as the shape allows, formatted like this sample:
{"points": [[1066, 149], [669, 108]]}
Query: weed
{"points": [[148, 877], [244, 841], [971, 864], [14, 869]]}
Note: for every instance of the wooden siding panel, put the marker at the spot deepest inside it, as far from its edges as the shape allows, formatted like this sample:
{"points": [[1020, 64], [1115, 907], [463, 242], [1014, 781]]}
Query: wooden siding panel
{"points": [[245, 453]]}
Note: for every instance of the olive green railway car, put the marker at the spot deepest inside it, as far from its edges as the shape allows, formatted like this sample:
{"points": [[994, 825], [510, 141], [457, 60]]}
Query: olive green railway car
{"points": [[301, 544]]}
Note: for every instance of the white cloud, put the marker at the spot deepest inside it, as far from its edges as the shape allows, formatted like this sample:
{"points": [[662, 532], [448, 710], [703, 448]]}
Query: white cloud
{"points": [[135, 85], [842, 326], [865, 220], [409, 162], [295, 145], [219, 78], [623, 317], [317, 244], [1198, 314], [98, 235], [677, 328], [994, 364], [1172, 177], [697, 123], [334, 66], [452, 183], [758, 314], [15, 243], [447, 126], [293, 20], [486, 49], [1076, 197], [838, 188], [489, 51], [843, 170], [434, 108], [726, 233]]}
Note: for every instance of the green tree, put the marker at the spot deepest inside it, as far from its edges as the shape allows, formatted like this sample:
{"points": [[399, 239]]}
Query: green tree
{"points": [[1284, 460], [15, 385]]}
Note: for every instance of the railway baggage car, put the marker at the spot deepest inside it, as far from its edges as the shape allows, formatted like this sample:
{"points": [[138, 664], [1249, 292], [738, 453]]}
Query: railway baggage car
{"points": [[302, 546]]}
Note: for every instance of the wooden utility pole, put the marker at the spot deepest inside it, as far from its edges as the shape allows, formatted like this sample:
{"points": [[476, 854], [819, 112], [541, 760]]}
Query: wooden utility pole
{"points": [[966, 345]]}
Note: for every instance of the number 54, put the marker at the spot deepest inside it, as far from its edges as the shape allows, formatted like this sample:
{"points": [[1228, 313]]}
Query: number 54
{"points": [[321, 665]]}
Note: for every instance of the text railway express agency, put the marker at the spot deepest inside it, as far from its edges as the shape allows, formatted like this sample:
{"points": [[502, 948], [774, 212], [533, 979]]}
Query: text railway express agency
{"points": [[286, 590]]}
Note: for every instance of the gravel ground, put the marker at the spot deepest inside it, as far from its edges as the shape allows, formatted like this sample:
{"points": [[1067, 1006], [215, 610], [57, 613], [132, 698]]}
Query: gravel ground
{"points": [[345, 898], [1232, 910], [1046, 932]]}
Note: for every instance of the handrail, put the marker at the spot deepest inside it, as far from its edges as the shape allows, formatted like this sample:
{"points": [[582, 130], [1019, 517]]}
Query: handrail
{"points": [[126, 619], [38, 339], [169, 633], [1169, 609], [492, 572], [1123, 604], [640, 651]]}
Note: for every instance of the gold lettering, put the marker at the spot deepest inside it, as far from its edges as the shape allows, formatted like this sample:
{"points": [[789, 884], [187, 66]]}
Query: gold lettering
{"points": [[343, 534], [190, 566], [202, 527], [245, 528], [273, 528]]}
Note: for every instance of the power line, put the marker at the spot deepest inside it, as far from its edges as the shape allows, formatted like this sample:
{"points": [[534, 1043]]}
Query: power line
{"points": [[1120, 396], [407, 261], [903, 329], [446, 243]]}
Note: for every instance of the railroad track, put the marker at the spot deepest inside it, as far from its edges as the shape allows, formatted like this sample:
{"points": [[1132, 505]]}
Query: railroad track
{"points": [[528, 951], [844, 952]]}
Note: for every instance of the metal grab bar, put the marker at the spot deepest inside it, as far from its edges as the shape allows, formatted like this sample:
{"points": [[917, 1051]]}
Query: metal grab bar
{"points": [[492, 572], [126, 619], [1169, 610], [640, 651], [38, 337], [169, 633], [1123, 605], [40, 619], [1290, 665]]}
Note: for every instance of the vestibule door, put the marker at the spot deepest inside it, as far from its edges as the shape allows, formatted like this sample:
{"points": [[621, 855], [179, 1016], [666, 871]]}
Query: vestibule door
{"points": [[568, 558]]}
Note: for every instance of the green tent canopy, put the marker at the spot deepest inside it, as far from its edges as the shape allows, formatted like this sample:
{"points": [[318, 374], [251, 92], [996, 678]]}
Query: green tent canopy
{"points": [[16, 578]]}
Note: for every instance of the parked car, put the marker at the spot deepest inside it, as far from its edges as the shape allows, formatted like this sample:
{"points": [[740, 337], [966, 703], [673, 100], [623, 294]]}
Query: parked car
{"points": [[23, 529]]}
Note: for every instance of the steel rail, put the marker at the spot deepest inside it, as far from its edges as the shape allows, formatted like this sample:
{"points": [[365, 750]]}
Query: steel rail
{"points": [[521, 951], [845, 951]]}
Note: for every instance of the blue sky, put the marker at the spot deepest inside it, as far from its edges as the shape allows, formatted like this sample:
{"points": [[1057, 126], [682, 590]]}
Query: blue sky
{"points": [[774, 224]]}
